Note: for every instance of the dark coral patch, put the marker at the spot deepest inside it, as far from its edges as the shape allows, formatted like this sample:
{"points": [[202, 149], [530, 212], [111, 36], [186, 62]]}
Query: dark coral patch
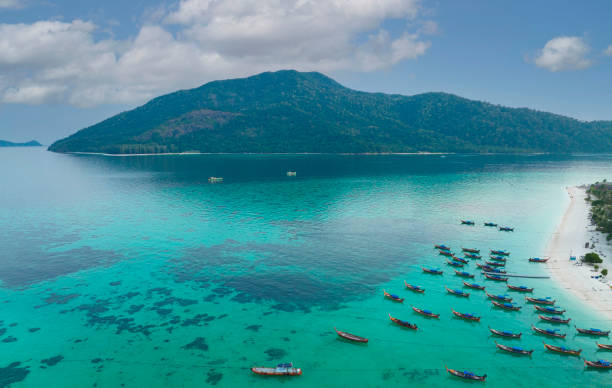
{"points": [[33, 329], [199, 344], [254, 328], [275, 354], [8, 339], [60, 299], [135, 308], [115, 283], [12, 374], [214, 377], [52, 360]]}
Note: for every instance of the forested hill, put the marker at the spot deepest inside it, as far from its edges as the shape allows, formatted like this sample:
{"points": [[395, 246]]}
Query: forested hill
{"points": [[31, 143], [290, 111]]}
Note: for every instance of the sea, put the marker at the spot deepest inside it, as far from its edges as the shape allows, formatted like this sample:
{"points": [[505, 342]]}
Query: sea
{"points": [[137, 272]]}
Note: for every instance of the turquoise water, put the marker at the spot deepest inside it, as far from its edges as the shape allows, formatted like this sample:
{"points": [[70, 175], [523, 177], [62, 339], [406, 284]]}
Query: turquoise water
{"points": [[137, 272]]}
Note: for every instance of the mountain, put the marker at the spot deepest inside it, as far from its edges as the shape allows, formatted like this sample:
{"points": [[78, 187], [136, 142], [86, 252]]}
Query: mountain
{"points": [[290, 111], [31, 143]]}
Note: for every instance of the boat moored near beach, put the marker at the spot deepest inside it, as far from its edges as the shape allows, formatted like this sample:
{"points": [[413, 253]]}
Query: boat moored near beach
{"points": [[464, 274], [519, 288], [467, 222], [506, 229], [495, 277], [506, 306], [604, 346], [403, 323], [465, 374], [490, 224], [427, 313], [474, 286], [284, 369], [507, 334], [546, 300], [602, 364], [513, 349], [459, 259], [454, 263], [469, 317], [495, 264], [504, 298], [447, 253], [351, 337], [554, 319], [442, 247], [548, 332], [498, 258], [562, 349], [413, 287], [537, 260], [457, 292], [393, 297], [592, 331], [549, 310], [470, 250], [435, 271], [500, 252], [472, 256]]}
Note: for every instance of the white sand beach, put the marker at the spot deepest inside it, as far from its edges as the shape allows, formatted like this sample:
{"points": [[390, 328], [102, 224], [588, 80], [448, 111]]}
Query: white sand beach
{"points": [[568, 239]]}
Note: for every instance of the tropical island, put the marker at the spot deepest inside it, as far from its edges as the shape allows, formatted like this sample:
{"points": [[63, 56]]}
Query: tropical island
{"points": [[295, 112], [31, 143]]}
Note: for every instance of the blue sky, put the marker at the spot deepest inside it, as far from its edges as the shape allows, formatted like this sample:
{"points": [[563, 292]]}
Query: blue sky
{"points": [[68, 64]]}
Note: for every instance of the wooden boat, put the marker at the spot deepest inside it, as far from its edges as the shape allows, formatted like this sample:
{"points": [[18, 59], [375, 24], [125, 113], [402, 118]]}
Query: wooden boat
{"points": [[592, 331], [464, 274], [498, 270], [467, 222], [546, 300], [413, 287], [447, 253], [351, 337], [514, 350], [506, 229], [554, 319], [454, 263], [519, 288], [393, 297], [504, 298], [487, 268], [604, 346], [442, 247], [470, 317], [284, 369], [472, 256], [537, 260], [506, 306], [500, 252], [549, 310], [490, 224], [496, 277], [457, 292], [403, 323], [562, 349], [474, 286], [470, 250], [435, 271], [506, 334], [548, 332], [465, 374], [501, 259], [459, 259], [427, 313], [495, 264], [602, 364]]}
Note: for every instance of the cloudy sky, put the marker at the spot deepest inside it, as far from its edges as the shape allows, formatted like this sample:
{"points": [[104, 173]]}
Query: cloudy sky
{"points": [[68, 64]]}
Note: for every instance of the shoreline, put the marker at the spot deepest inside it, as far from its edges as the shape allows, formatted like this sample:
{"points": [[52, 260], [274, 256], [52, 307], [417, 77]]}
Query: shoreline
{"points": [[258, 153], [569, 238]]}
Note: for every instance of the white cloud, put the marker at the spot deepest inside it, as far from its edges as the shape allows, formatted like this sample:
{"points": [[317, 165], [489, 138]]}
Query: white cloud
{"points": [[12, 4], [564, 53], [210, 39], [608, 51]]}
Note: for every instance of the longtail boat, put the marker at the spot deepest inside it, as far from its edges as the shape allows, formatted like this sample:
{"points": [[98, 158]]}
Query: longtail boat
{"points": [[519, 288], [506, 306], [592, 331], [549, 310], [495, 264], [464, 274], [504, 298], [554, 319], [470, 250], [562, 349], [435, 271], [506, 229], [604, 346], [472, 256], [457, 292], [454, 263], [537, 260], [470, 317], [513, 349], [427, 313], [413, 287], [351, 337], [500, 252], [284, 369], [487, 268], [442, 247], [403, 323], [467, 222], [496, 277], [603, 364], [474, 285], [546, 300], [501, 259], [506, 334], [447, 253], [490, 224], [465, 374], [548, 332], [393, 297], [459, 259]]}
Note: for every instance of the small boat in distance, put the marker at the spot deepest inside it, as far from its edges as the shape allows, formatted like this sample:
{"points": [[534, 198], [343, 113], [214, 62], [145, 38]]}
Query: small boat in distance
{"points": [[467, 222], [490, 224], [351, 337], [504, 298], [506, 229], [474, 286], [513, 349], [519, 288], [427, 313], [435, 271], [537, 260], [457, 292], [413, 287], [284, 369], [548, 332], [500, 252], [592, 331], [549, 310], [464, 274], [546, 300], [442, 247], [554, 319], [470, 250], [506, 306], [214, 179], [495, 277], [495, 264], [291, 173], [454, 263], [465, 374], [472, 256], [603, 364], [604, 346], [470, 317], [562, 349], [393, 297], [506, 334], [403, 323]]}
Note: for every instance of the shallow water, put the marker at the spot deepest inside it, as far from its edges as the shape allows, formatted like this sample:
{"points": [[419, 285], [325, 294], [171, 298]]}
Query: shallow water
{"points": [[137, 271]]}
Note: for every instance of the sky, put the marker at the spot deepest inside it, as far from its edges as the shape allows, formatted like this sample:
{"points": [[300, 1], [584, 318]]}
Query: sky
{"points": [[65, 65]]}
